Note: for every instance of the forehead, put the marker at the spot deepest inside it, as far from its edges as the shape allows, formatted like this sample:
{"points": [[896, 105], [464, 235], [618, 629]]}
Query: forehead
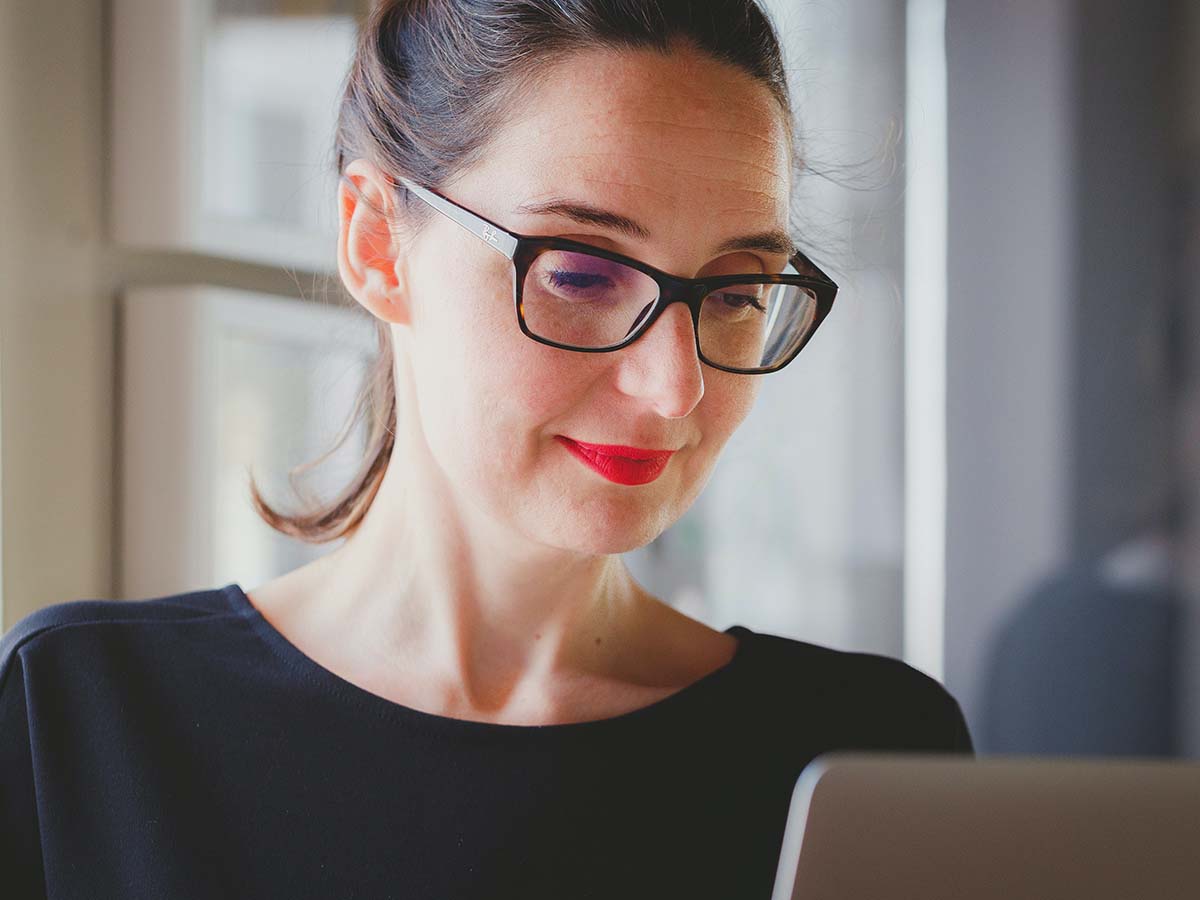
{"points": [[665, 129]]}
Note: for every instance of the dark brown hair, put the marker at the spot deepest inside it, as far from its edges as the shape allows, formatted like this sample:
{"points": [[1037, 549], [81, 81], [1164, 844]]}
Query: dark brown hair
{"points": [[431, 80]]}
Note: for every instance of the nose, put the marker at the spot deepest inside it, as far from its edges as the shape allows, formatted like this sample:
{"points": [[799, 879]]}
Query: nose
{"points": [[662, 365]]}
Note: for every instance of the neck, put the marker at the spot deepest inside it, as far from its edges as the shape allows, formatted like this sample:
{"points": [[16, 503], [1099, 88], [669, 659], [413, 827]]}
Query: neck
{"points": [[431, 578]]}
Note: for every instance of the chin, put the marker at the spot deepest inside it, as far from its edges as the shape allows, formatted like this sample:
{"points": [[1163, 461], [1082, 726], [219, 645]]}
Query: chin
{"points": [[591, 529]]}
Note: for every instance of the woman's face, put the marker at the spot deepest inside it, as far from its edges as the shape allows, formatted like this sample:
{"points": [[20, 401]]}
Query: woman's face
{"points": [[692, 150]]}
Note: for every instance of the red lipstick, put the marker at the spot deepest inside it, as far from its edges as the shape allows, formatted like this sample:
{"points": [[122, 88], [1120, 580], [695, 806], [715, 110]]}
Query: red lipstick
{"points": [[624, 465]]}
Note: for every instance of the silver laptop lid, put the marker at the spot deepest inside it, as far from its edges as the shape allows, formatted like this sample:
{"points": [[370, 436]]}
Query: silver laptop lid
{"points": [[994, 828]]}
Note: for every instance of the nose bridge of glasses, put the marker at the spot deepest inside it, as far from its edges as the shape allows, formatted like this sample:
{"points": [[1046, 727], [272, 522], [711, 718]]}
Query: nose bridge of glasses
{"points": [[671, 292], [675, 290]]}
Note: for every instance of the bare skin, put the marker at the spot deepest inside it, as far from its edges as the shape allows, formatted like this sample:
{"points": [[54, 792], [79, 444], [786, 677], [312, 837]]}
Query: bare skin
{"points": [[485, 582]]}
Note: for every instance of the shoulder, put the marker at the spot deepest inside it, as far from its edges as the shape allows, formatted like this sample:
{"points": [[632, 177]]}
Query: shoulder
{"points": [[87, 618], [870, 698], [848, 669]]}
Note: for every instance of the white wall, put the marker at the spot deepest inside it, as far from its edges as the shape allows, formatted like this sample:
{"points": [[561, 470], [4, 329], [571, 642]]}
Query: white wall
{"points": [[1010, 286], [55, 323]]}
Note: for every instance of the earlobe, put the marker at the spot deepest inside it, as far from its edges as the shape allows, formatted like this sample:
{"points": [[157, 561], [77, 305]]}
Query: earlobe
{"points": [[367, 245]]}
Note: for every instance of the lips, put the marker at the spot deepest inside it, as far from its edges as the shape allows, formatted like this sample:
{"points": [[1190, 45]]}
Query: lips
{"points": [[619, 463], [622, 451]]}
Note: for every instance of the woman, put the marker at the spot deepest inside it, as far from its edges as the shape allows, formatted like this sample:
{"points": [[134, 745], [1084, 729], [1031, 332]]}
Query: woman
{"points": [[472, 696]]}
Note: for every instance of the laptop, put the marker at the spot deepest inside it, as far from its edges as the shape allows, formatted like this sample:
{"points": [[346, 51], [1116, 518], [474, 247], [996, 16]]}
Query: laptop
{"points": [[936, 827]]}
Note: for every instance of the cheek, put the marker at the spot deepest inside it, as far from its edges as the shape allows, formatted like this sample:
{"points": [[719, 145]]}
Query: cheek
{"points": [[464, 340], [518, 384], [729, 399], [488, 395]]}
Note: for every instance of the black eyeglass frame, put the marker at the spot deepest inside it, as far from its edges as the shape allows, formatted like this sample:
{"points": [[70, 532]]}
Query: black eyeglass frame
{"points": [[522, 249]]}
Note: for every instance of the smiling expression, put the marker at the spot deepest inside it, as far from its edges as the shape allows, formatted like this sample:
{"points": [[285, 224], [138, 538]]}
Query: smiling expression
{"points": [[670, 159]]}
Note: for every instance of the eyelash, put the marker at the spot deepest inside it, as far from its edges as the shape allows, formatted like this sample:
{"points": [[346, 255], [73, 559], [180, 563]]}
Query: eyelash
{"points": [[557, 275]]}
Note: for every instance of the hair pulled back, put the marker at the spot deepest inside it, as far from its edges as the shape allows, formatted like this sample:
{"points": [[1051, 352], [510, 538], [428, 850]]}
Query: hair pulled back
{"points": [[430, 82]]}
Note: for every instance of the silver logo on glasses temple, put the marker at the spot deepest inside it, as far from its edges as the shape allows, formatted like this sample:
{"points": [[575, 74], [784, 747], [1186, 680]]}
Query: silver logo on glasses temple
{"points": [[490, 234]]}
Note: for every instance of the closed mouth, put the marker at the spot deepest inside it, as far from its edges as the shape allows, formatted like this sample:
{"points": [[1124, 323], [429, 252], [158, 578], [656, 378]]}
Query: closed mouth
{"points": [[639, 454]]}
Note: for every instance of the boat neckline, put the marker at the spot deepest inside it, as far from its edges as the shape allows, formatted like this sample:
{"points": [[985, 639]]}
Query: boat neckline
{"points": [[380, 706]]}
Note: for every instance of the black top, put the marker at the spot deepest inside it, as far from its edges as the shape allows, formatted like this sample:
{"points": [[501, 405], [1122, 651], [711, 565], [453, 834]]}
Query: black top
{"points": [[181, 747]]}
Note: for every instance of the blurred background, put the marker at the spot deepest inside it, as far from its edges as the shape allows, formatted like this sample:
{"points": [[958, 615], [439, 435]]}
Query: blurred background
{"points": [[987, 462]]}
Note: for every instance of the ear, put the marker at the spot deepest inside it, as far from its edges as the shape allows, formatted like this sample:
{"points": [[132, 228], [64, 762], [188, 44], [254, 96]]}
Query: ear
{"points": [[368, 246]]}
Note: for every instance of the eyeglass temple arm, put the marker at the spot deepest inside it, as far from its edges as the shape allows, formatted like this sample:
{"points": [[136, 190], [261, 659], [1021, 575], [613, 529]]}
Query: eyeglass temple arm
{"points": [[488, 232], [800, 259], [506, 244]]}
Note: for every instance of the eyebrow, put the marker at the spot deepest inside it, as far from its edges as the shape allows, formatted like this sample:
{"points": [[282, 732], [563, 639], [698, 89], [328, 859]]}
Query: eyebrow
{"points": [[775, 240]]}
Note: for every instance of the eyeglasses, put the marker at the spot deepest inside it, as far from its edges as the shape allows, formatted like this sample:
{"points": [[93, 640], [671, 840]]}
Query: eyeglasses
{"points": [[578, 297]]}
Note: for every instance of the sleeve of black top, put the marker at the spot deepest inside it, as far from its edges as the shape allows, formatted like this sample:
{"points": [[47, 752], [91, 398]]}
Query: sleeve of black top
{"points": [[21, 872], [960, 735]]}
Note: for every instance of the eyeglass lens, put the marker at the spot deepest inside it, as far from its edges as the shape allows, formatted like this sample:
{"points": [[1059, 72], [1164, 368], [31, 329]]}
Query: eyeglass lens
{"points": [[590, 302]]}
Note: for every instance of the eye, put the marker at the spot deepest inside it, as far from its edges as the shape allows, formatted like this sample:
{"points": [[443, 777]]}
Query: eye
{"points": [[576, 280], [740, 301]]}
